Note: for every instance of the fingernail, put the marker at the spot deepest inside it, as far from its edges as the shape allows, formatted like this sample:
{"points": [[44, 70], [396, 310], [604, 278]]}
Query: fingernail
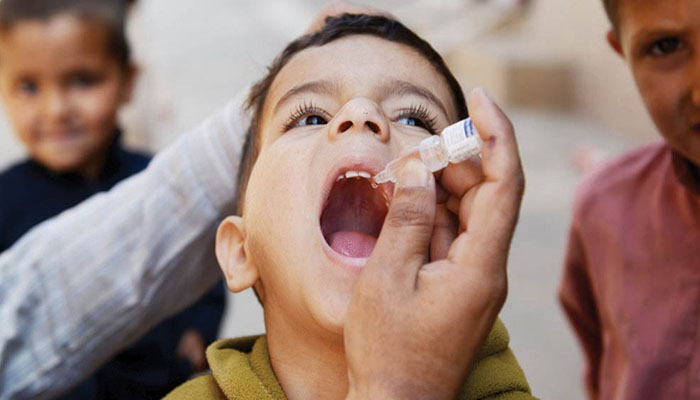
{"points": [[413, 174], [486, 93]]}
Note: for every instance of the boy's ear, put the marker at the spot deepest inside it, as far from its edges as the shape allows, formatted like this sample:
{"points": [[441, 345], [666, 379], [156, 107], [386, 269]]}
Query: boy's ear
{"points": [[614, 42], [239, 271]]}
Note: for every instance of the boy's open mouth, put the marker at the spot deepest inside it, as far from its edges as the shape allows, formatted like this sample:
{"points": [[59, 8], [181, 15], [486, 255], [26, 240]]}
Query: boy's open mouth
{"points": [[353, 214]]}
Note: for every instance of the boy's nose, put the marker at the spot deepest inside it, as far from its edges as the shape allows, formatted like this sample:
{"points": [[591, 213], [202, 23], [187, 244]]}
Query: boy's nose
{"points": [[55, 105], [360, 115]]}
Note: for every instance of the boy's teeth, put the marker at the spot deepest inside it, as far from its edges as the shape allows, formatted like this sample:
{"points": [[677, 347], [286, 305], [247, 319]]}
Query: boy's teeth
{"points": [[354, 174]]}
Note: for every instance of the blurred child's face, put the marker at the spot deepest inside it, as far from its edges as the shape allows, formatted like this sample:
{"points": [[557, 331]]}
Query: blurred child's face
{"points": [[61, 89], [349, 106], [661, 42]]}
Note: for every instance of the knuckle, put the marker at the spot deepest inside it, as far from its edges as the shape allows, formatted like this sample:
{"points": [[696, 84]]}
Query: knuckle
{"points": [[409, 213]]}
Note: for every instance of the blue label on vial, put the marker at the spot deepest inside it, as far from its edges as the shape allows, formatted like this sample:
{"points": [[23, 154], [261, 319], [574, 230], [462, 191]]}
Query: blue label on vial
{"points": [[468, 131]]}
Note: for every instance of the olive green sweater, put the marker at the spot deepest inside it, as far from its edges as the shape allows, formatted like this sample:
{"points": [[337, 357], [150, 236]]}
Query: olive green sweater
{"points": [[241, 370]]}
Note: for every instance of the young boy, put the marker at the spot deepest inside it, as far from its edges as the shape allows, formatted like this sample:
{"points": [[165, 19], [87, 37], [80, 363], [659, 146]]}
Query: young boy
{"points": [[631, 284], [65, 70], [334, 109]]}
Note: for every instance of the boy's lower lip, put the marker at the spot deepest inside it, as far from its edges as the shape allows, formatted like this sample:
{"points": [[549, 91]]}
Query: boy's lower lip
{"points": [[64, 137]]}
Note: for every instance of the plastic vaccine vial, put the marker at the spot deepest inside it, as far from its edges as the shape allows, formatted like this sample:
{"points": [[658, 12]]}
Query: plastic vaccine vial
{"points": [[455, 144]]}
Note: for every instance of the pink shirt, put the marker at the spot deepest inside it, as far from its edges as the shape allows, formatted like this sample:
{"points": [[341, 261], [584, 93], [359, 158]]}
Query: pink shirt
{"points": [[631, 283]]}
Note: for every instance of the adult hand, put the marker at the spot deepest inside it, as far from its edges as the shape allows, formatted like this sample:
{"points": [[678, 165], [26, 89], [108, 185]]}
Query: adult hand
{"points": [[339, 7], [413, 329]]}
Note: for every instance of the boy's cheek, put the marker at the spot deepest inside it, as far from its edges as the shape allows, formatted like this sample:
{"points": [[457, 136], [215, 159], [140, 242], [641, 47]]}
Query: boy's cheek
{"points": [[662, 95]]}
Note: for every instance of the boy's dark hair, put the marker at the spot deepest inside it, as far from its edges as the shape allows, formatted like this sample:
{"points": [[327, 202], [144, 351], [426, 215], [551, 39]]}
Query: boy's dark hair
{"points": [[110, 13], [611, 8], [335, 28]]}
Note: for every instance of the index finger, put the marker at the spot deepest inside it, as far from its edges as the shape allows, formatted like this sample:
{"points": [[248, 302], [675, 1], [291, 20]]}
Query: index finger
{"points": [[500, 156], [496, 202]]}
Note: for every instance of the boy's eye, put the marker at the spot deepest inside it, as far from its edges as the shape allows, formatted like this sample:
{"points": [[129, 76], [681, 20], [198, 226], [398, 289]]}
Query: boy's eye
{"points": [[311, 120], [83, 80], [665, 46], [28, 87], [306, 115], [411, 121], [418, 116]]}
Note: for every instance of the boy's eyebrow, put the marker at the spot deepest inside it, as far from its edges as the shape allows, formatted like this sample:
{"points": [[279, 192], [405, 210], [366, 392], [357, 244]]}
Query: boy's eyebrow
{"points": [[392, 87], [403, 88], [319, 87]]}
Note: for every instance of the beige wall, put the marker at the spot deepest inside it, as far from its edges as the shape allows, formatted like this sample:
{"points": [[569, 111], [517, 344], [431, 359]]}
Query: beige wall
{"points": [[603, 86], [557, 41]]}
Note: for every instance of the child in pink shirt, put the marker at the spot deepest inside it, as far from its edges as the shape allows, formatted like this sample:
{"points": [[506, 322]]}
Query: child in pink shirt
{"points": [[631, 284]]}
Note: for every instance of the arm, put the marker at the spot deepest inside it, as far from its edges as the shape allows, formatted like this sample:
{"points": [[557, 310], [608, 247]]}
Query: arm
{"points": [[577, 299], [80, 287]]}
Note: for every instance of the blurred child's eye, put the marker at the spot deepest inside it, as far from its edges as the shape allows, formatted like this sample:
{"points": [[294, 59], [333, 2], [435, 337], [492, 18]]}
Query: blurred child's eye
{"points": [[665, 46], [417, 116], [28, 87], [83, 80], [306, 115]]}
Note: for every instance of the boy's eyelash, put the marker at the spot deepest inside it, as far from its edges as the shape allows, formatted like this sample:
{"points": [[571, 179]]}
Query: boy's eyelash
{"points": [[302, 110], [421, 112]]}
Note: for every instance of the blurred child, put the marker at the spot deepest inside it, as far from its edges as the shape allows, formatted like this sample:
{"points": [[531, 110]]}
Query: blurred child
{"points": [[65, 70], [631, 284], [335, 107]]}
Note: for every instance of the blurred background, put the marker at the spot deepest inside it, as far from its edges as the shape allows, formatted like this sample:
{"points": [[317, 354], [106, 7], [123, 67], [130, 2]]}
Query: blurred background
{"points": [[570, 97]]}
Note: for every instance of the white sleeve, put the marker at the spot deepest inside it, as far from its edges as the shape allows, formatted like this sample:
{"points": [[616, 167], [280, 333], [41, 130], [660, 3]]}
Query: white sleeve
{"points": [[80, 287]]}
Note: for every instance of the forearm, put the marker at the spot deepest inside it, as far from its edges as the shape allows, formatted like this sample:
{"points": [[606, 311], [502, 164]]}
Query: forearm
{"points": [[81, 286]]}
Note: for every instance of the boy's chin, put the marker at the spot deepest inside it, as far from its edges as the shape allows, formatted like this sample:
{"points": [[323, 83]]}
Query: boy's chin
{"points": [[60, 165], [332, 316]]}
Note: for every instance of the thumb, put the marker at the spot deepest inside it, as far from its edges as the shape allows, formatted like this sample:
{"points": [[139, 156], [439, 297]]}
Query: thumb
{"points": [[405, 237]]}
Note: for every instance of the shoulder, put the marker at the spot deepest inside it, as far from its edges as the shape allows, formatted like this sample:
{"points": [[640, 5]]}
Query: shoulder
{"points": [[203, 387], [15, 180], [137, 158], [618, 179], [132, 162], [14, 173], [496, 371]]}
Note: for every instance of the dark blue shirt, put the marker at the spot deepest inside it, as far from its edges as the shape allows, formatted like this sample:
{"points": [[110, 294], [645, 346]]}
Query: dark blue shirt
{"points": [[30, 194]]}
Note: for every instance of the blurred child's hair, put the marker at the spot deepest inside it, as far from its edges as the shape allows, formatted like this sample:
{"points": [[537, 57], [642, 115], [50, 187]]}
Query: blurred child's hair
{"points": [[336, 28], [611, 8], [110, 13]]}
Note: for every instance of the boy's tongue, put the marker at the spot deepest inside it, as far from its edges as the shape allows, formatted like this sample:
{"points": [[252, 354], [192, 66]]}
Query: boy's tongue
{"points": [[352, 243]]}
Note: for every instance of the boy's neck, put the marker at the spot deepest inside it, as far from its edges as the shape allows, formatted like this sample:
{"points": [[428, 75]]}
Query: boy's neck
{"points": [[307, 366]]}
